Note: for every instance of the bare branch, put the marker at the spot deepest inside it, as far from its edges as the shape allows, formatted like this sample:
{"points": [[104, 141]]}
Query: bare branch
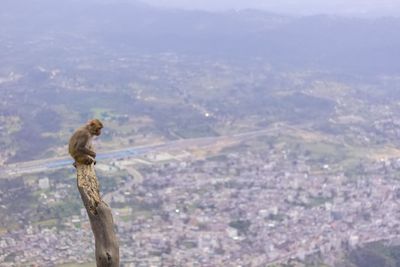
{"points": [[100, 216]]}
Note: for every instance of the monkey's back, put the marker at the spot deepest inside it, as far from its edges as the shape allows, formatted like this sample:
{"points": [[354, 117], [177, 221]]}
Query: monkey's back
{"points": [[81, 133]]}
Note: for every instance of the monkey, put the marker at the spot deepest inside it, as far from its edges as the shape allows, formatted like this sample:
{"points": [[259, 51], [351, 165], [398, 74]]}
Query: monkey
{"points": [[80, 143]]}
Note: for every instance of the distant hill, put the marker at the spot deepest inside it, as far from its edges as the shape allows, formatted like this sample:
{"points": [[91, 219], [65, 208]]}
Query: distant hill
{"points": [[324, 42]]}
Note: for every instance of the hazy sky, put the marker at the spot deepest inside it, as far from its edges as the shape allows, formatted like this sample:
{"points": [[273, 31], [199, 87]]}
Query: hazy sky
{"points": [[360, 7]]}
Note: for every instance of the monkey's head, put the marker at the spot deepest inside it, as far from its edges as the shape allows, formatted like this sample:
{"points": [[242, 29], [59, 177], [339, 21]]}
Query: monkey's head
{"points": [[94, 126]]}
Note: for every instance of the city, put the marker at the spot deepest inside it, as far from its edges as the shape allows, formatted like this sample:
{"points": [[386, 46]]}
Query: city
{"points": [[244, 208]]}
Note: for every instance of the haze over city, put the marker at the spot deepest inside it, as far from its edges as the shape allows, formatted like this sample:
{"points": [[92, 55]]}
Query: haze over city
{"points": [[298, 7], [228, 133]]}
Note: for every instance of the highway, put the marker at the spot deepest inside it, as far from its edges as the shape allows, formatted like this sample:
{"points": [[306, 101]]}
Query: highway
{"points": [[59, 163]]}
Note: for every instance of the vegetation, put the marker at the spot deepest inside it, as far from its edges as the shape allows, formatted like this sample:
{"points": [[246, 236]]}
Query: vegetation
{"points": [[374, 254]]}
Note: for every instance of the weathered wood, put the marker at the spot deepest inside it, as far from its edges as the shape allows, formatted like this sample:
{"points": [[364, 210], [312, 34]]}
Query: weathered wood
{"points": [[100, 217]]}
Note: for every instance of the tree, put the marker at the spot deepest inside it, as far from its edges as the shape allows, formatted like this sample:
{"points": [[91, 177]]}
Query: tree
{"points": [[100, 217]]}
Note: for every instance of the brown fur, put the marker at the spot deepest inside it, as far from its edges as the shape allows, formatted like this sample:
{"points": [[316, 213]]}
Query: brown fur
{"points": [[80, 144]]}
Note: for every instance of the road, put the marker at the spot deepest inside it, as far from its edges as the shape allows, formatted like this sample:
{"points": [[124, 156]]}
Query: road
{"points": [[59, 163]]}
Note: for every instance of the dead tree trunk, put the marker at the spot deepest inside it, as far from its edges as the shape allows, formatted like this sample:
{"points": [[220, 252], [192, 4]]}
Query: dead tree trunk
{"points": [[101, 220]]}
